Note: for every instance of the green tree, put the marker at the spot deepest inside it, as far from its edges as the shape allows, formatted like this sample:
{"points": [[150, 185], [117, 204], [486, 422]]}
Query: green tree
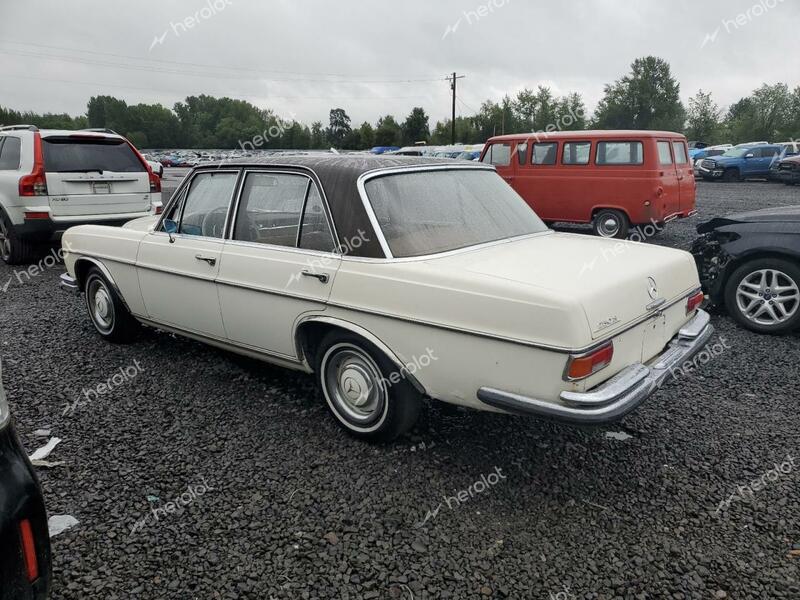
{"points": [[388, 132], [339, 127], [416, 128], [317, 136], [367, 135], [703, 118], [647, 98], [769, 114]]}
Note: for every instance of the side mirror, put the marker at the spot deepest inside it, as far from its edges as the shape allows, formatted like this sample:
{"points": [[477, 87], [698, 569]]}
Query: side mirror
{"points": [[171, 227], [750, 155]]}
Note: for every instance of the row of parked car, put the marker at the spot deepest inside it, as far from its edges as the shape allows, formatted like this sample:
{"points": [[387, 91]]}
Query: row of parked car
{"points": [[754, 160]]}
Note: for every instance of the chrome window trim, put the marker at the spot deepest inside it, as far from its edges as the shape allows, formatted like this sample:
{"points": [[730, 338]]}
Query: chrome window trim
{"points": [[301, 172], [382, 172]]}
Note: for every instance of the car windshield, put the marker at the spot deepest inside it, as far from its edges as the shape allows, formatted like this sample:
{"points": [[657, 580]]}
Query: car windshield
{"points": [[432, 211], [737, 152]]}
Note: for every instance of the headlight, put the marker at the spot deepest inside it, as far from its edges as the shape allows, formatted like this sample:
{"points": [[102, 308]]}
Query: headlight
{"points": [[5, 413]]}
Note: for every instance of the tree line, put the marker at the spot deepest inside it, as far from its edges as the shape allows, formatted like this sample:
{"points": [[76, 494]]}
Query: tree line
{"points": [[648, 97]]}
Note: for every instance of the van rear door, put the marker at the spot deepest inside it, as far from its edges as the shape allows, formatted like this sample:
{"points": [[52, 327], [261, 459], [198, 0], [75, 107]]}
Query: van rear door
{"points": [[685, 172], [94, 175], [670, 199]]}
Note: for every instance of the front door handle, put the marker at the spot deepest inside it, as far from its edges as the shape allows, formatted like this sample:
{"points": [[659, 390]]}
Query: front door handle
{"points": [[209, 259], [323, 277]]}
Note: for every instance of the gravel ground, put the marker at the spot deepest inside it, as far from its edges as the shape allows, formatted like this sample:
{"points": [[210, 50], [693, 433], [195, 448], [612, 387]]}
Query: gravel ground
{"points": [[271, 500]]}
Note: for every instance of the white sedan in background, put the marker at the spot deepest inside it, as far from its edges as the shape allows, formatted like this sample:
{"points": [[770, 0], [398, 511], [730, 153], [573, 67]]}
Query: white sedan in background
{"points": [[394, 279]]}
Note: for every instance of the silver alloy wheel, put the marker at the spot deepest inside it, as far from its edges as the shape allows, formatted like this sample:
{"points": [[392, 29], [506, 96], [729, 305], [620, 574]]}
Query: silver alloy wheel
{"points": [[608, 227], [354, 385], [768, 297], [5, 241], [101, 305]]}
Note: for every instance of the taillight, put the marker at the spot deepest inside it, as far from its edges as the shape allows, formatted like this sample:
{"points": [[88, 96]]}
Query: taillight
{"points": [[37, 215], [29, 550], [35, 184], [583, 365], [694, 302], [155, 181], [159, 209]]}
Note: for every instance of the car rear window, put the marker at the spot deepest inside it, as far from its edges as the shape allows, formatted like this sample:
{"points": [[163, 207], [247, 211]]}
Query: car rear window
{"points": [[71, 155], [664, 154], [499, 155], [619, 153], [680, 153]]}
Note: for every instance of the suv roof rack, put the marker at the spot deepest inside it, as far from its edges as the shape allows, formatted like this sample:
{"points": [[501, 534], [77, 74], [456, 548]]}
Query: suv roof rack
{"points": [[18, 127], [100, 130]]}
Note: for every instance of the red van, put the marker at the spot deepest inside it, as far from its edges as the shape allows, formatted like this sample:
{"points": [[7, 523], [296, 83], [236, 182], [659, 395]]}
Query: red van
{"points": [[611, 179]]}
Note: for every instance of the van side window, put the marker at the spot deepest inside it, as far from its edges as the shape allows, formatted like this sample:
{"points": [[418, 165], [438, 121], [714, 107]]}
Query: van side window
{"points": [[576, 153], [619, 153], [522, 152], [545, 153], [498, 155], [664, 154], [680, 153]]}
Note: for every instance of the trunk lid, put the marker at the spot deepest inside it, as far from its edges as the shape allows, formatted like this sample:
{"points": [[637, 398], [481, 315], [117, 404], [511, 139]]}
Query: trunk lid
{"points": [[616, 282]]}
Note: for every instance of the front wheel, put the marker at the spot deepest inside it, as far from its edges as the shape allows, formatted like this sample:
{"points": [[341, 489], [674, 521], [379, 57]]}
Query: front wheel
{"points": [[731, 176], [764, 296], [13, 250], [368, 395], [611, 223], [107, 312]]}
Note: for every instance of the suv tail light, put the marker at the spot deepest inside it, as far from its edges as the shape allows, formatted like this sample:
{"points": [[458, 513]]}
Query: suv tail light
{"points": [[35, 184], [581, 366], [29, 550], [694, 301]]}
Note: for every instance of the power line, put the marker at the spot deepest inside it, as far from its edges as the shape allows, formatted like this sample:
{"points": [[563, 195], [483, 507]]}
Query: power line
{"points": [[453, 81]]}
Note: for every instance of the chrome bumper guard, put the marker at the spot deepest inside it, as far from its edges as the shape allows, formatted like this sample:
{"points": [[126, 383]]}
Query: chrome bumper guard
{"points": [[619, 395], [69, 283]]}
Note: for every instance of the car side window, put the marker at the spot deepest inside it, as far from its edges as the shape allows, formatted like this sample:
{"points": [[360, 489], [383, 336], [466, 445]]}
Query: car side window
{"points": [[270, 208], [545, 153], [576, 153], [315, 232], [205, 208], [498, 155], [522, 152], [10, 153], [664, 153], [619, 153], [680, 153]]}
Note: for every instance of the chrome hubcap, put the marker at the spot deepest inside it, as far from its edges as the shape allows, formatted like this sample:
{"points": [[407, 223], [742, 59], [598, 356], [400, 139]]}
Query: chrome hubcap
{"points": [[609, 227], [354, 384], [101, 305], [768, 297]]}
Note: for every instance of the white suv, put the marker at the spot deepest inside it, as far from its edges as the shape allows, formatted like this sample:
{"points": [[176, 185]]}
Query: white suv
{"points": [[51, 180]]}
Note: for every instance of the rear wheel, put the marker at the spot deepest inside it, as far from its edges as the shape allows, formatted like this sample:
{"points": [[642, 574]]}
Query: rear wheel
{"points": [[368, 395], [731, 176], [611, 223], [764, 295], [107, 312], [13, 250]]}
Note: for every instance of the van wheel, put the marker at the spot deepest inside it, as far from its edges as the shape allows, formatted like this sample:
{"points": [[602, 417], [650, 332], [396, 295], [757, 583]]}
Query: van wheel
{"points": [[106, 310], [731, 176], [611, 223], [763, 295], [14, 251], [366, 393]]}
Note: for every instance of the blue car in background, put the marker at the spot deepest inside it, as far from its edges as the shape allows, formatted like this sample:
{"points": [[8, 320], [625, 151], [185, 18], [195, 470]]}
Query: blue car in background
{"points": [[740, 163]]}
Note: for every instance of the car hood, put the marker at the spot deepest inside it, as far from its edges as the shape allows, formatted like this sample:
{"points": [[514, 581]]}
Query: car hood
{"points": [[609, 279], [782, 214]]}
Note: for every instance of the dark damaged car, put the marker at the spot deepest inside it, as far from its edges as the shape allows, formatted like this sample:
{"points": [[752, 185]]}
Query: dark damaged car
{"points": [[24, 541], [750, 264]]}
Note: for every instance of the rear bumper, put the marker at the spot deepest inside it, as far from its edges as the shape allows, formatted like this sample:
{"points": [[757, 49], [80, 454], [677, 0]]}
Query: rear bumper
{"points": [[50, 230], [619, 395], [21, 499]]}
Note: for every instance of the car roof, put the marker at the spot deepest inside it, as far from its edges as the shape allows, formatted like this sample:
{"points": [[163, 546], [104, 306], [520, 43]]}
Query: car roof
{"points": [[605, 134], [338, 176]]}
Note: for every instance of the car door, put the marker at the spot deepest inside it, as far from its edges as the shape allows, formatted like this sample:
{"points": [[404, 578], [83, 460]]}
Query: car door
{"points": [[279, 262], [177, 272], [685, 173], [767, 157], [668, 172]]}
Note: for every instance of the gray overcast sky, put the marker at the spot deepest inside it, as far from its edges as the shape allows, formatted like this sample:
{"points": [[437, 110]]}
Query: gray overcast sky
{"points": [[352, 53]]}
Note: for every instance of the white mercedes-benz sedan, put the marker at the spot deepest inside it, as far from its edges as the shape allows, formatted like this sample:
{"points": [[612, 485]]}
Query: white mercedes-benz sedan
{"points": [[393, 280]]}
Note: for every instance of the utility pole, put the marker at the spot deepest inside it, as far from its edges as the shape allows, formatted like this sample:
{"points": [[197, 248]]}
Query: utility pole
{"points": [[455, 78]]}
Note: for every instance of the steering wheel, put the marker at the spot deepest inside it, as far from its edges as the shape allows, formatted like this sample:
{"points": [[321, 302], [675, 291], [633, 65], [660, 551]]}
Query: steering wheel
{"points": [[214, 222]]}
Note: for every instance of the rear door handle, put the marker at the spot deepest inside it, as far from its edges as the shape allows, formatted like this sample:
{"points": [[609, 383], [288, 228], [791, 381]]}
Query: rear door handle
{"points": [[209, 259], [323, 277]]}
